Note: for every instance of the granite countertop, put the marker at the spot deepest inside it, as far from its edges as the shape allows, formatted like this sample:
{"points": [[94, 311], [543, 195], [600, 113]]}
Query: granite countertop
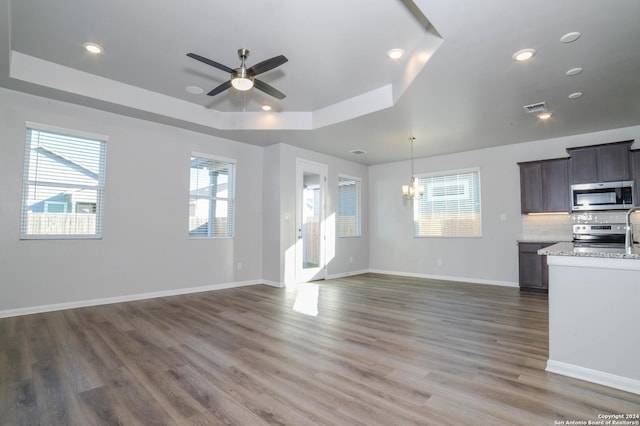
{"points": [[568, 249]]}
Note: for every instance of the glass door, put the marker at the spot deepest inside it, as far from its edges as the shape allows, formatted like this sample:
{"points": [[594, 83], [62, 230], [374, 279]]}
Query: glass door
{"points": [[310, 224]]}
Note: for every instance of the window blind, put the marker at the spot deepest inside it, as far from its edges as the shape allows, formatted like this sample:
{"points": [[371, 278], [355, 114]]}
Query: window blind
{"points": [[349, 215], [211, 196], [450, 206], [63, 185]]}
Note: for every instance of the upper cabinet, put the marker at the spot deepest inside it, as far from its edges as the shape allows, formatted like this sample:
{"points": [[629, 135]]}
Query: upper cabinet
{"points": [[544, 186], [600, 163]]}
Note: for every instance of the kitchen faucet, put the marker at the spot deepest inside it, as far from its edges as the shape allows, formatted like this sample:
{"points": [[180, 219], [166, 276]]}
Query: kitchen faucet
{"points": [[628, 234]]}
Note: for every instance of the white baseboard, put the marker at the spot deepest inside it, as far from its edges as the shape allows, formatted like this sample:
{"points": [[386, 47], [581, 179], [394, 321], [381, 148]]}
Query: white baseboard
{"points": [[447, 278], [594, 376], [118, 299], [128, 298]]}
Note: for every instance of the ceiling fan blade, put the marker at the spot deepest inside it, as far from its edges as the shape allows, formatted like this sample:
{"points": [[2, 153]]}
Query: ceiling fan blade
{"points": [[267, 65], [210, 62], [268, 89], [224, 86]]}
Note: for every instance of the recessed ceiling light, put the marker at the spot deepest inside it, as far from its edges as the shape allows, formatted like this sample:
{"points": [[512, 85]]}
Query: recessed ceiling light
{"points": [[570, 37], [266, 107], [358, 151], [575, 95], [395, 53], [544, 116], [93, 48], [194, 90], [524, 54], [574, 71]]}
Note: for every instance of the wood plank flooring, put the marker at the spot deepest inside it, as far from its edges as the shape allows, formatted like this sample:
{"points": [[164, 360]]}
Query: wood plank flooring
{"points": [[383, 350]]}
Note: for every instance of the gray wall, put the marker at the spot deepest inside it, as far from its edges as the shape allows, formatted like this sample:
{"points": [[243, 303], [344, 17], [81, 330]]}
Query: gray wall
{"points": [[271, 216], [491, 259], [145, 248]]}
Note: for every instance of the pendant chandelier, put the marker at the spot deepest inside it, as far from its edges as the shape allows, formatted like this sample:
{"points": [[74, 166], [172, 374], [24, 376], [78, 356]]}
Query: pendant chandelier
{"points": [[413, 190]]}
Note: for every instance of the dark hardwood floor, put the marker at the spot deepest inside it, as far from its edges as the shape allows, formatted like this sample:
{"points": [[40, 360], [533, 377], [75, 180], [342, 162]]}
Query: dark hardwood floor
{"points": [[382, 350]]}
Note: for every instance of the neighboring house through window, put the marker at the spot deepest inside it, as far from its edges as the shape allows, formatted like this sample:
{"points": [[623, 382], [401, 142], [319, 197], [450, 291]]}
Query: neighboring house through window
{"points": [[450, 206], [211, 196], [63, 170], [349, 206]]}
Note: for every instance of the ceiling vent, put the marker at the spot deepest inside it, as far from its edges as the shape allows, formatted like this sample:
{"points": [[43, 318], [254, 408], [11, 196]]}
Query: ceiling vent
{"points": [[540, 106], [358, 151]]}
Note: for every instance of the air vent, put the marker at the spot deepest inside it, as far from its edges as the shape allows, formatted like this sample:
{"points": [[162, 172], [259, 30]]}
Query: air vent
{"points": [[540, 106], [358, 151]]}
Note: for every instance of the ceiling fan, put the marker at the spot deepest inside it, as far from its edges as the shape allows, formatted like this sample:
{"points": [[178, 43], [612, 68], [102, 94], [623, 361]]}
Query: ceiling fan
{"points": [[243, 78]]}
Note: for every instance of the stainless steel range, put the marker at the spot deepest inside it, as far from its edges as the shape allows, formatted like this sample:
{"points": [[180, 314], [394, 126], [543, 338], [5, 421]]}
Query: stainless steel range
{"points": [[602, 237]]}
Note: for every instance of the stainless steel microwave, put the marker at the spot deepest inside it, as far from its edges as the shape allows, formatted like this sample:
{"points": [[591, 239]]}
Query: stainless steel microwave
{"points": [[602, 196]]}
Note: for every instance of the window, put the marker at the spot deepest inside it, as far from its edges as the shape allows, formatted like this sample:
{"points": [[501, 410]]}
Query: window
{"points": [[62, 170], [450, 206], [211, 196], [348, 206]]}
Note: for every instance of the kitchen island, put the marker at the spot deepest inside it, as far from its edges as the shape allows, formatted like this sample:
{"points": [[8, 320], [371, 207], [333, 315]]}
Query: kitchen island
{"points": [[594, 314]]}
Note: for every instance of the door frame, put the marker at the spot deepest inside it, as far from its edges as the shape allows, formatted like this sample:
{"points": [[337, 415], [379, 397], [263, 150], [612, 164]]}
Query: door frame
{"points": [[320, 272]]}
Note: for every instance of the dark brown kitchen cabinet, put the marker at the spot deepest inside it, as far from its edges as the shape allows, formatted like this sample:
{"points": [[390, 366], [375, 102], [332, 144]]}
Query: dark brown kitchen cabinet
{"points": [[533, 269], [635, 172], [600, 163], [544, 186]]}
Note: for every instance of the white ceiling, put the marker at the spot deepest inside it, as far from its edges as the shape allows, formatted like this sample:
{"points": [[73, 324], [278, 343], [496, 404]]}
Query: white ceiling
{"points": [[456, 89]]}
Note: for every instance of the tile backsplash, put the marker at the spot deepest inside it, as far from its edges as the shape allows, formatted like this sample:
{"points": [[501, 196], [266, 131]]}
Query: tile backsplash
{"points": [[558, 227], [547, 227]]}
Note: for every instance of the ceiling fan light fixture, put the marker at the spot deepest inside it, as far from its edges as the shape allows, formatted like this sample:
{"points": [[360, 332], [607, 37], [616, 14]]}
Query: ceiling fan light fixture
{"points": [[242, 83], [241, 80]]}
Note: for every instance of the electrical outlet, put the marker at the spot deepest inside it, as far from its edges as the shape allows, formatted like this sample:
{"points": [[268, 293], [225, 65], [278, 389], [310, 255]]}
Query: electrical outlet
{"points": [[239, 266], [439, 262]]}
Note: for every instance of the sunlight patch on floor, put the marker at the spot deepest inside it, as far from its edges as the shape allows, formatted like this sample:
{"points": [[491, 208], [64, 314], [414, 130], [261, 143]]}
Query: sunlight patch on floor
{"points": [[307, 299]]}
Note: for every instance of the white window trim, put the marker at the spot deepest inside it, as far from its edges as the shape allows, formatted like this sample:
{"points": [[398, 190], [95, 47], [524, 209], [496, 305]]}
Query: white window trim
{"points": [[66, 131], [214, 157], [226, 160], [30, 125], [454, 172], [448, 172], [359, 179]]}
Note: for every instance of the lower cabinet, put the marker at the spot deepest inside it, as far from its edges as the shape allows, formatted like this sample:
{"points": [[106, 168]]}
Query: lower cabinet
{"points": [[533, 269]]}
